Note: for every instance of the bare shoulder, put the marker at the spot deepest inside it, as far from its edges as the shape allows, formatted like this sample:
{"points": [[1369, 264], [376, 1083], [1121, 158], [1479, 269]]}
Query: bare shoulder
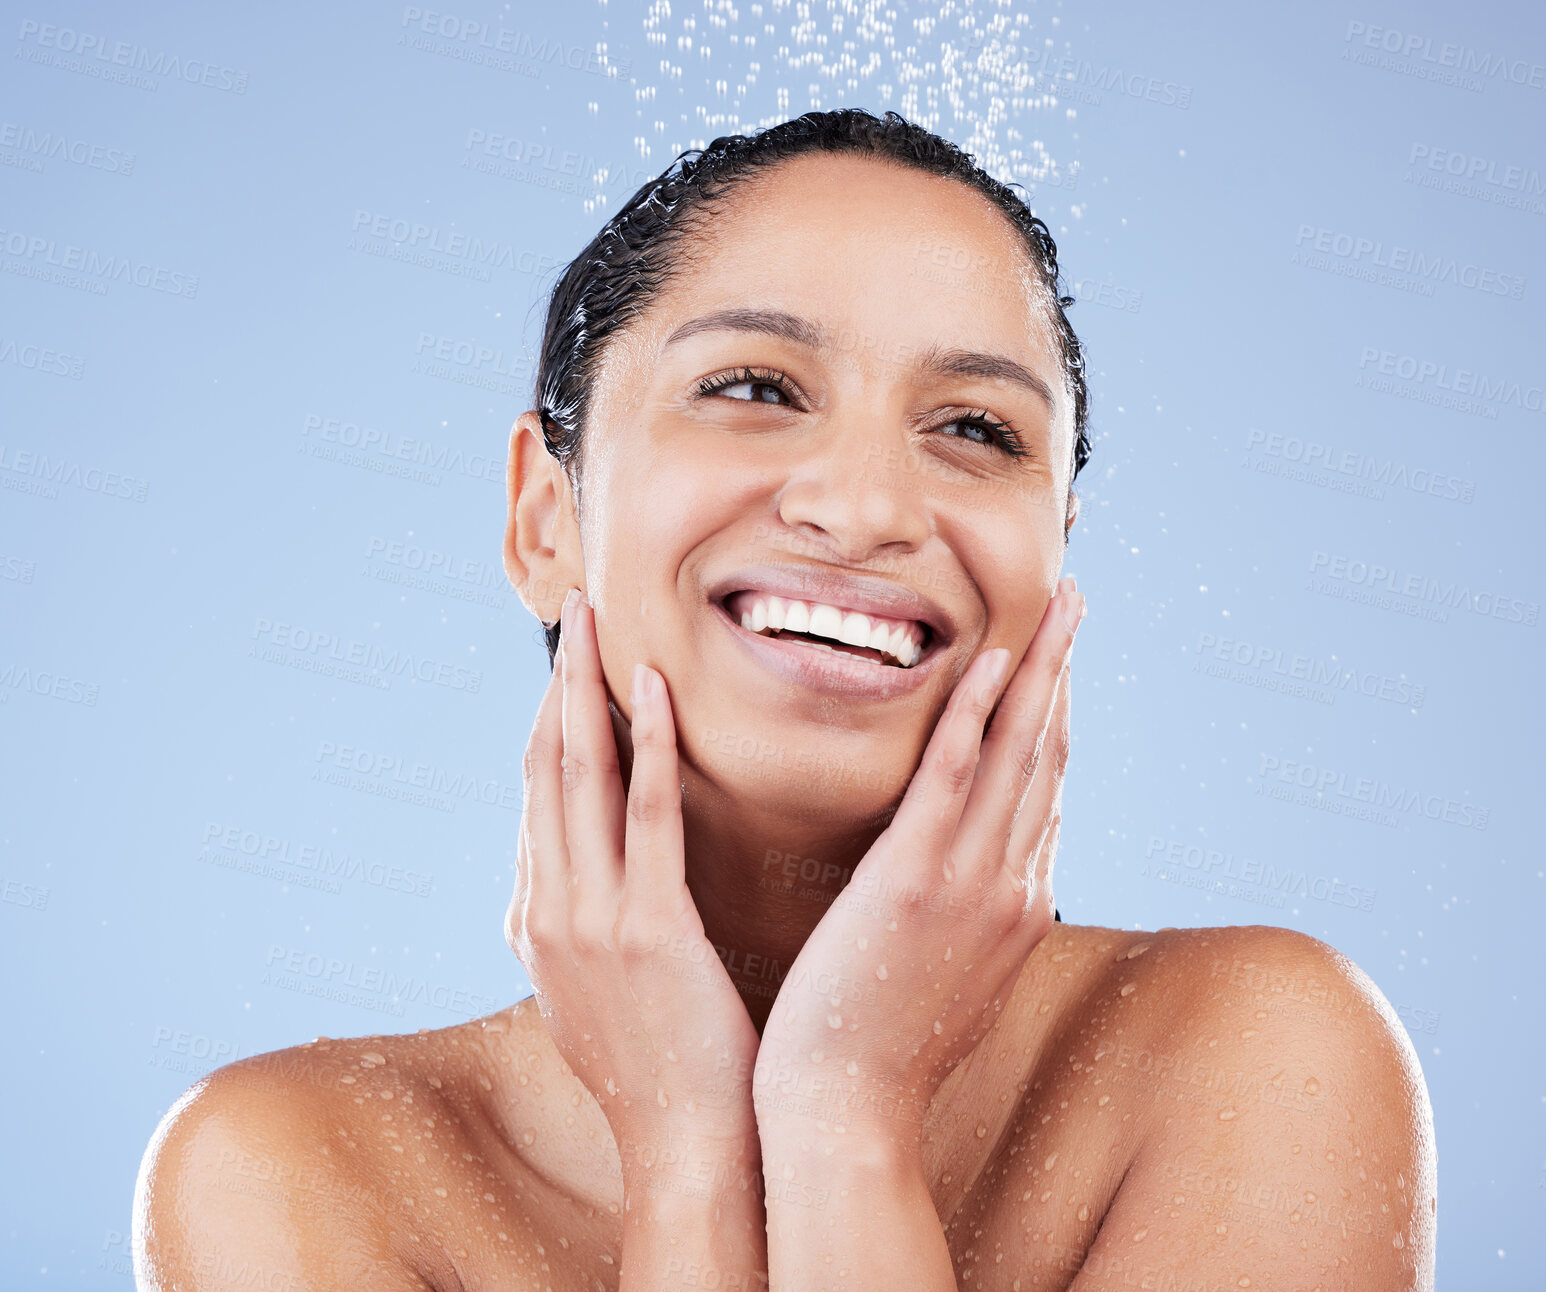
{"points": [[289, 1170], [1283, 1131]]}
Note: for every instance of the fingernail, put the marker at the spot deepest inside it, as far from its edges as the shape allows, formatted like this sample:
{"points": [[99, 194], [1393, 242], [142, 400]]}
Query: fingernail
{"points": [[1073, 611], [640, 685], [571, 599], [999, 666], [1068, 583]]}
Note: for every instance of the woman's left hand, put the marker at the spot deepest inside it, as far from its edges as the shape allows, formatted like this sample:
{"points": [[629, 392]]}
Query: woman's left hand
{"points": [[919, 953]]}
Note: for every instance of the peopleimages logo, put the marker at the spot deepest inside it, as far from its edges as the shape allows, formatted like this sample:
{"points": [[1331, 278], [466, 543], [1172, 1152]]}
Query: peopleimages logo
{"points": [[1375, 579], [1447, 62], [1355, 256], [1326, 782]]}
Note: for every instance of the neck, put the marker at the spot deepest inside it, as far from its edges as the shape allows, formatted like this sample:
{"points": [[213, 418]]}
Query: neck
{"points": [[761, 883]]}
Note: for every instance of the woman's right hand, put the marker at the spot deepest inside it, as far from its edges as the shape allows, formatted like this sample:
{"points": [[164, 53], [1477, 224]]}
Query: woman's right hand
{"points": [[632, 991]]}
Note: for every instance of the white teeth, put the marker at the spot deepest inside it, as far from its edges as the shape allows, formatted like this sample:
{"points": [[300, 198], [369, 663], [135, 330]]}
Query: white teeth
{"points": [[855, 630], [902, 642], [826, 621]]}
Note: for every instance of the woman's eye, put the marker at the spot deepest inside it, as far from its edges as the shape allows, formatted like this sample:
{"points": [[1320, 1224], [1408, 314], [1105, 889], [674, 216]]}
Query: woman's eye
{"points": [[756, 392], [986, 431], [976, 431]]}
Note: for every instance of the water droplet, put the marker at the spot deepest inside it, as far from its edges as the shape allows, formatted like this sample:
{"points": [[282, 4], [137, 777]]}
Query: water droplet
{"points": [[1049, 1163], [371, 1059], [610, 1086], [891, 926], [434, 1083], [1398, 1242], [671, 1056], [1045, 1194], [864, 944], [818, 1055], [1228, 1115], [1084, 1211], [880, 971], [663, 1099], [948, 871], [835, 1021], [1245, 1281], [938, 1027], [1312, 1087], [1248, 1034], [788, 1170], [852, 1069], [346, 1080], [981, 1130], [439, 1191], [1128, 988], [1141, 1234], [1103, 1101], [485, 1083], [947, 953]]}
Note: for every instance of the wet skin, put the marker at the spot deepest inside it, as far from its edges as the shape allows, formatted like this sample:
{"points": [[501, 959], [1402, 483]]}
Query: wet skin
{"points": [[1223, 1107]]}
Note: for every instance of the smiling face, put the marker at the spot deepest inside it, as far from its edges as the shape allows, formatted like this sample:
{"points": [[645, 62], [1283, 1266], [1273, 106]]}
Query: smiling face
{"points": [[847, 407]]}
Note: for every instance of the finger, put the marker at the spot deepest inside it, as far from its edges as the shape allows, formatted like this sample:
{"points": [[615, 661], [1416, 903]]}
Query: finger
{"points": [[655, 869], [1041, 807], [594, 803], [543, 851], [1012, 749], [926, 820]]}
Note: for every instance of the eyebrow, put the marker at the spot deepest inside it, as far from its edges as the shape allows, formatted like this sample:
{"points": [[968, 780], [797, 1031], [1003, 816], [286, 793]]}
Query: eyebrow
{"points": [[936, 361]]}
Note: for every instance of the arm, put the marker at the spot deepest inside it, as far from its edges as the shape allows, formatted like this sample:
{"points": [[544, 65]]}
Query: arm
{"points": [[693, 1217], [632, 992], [851, 1210]]}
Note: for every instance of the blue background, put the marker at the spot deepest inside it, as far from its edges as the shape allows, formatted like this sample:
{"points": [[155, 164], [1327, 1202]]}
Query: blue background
{"points": [[157, 727]]}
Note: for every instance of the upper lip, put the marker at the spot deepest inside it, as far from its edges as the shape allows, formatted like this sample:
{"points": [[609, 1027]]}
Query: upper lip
{"points": [[881, 598]]}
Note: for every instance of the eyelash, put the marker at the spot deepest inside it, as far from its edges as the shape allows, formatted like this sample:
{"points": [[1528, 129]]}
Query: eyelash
{"points": [[1008, 438]]}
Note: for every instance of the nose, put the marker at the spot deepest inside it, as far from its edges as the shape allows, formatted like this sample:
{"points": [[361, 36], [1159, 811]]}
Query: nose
{"points": [[851, 497]]}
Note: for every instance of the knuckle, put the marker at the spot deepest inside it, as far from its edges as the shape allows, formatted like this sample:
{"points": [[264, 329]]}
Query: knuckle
{"points": [[635, 935], [575, 770], [645, 808]]}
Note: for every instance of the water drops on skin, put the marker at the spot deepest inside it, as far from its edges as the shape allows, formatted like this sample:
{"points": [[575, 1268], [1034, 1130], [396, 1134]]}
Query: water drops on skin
{"points": [[1227, 1114], [880, 971], [1128, 988]]}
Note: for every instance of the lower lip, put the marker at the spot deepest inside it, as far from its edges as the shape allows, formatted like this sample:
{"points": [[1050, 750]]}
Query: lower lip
{"points": [[834, 672]]}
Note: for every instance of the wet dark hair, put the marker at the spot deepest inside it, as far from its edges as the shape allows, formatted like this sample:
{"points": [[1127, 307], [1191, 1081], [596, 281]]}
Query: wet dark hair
{"points": [[625, 266]]}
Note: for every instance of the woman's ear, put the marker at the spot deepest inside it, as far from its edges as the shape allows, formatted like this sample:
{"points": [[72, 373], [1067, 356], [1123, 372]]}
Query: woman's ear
{"points": [[542, 536], [1072, 513]]}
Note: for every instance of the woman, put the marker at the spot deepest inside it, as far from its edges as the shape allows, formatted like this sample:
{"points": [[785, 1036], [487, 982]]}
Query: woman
{"points": [[810, 416]]}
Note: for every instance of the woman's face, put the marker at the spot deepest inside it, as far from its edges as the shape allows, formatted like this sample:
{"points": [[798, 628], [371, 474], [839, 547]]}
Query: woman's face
{"points": [[895, 334]]}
